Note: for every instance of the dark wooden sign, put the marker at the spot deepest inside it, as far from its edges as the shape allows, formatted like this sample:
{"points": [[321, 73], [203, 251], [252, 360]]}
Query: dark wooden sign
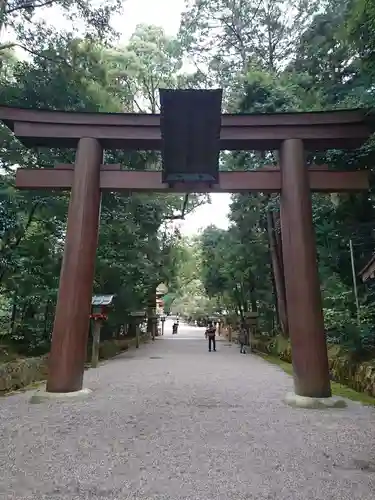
{"points": [[190, 123]]}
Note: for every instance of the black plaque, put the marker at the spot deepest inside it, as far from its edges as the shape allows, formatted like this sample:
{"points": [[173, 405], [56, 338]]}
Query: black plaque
{"points": [[190, 122]]}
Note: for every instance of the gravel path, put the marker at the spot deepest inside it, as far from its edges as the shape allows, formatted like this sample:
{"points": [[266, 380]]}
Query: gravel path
{"points": [[172, 421]]}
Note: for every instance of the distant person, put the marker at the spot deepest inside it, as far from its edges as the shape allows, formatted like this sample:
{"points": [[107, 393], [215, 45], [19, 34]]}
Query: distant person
{"points": [[174, 328], [242, 340], [210, 334]]}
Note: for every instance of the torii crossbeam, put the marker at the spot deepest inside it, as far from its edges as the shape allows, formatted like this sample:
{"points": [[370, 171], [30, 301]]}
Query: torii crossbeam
{"points": [[112, 178], [289, 133]]}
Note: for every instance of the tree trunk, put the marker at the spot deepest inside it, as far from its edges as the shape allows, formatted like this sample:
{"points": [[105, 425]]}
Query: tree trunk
{"points": [[132, 329], [278, 271], [14, 312], [279, 253], [95, 344], [23, 311], [137, 327], [3, 5], [151, 313], [46, 313], [253, 300]]}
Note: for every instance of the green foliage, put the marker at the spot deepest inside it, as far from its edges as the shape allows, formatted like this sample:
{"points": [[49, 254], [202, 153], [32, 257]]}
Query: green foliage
{"points": [[17, 13], [233, 275], [231, 36], [150, 61], [360, 27], [187, 296]]}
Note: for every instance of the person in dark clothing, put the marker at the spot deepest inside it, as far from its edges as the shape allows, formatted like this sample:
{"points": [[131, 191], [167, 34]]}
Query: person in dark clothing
{"points": [[242, 340], [210, 333]]}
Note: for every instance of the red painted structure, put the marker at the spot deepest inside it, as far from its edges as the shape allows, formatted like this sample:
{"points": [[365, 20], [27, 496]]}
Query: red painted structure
{"points": [[290, 133]]}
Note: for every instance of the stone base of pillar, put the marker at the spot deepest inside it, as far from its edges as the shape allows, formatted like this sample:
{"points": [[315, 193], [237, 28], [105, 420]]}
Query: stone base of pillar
{"points": [[296, 401], [42, 396]]}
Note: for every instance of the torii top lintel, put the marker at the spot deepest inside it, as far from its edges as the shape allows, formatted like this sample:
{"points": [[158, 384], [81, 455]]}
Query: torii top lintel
{"points": [[344, 129]]}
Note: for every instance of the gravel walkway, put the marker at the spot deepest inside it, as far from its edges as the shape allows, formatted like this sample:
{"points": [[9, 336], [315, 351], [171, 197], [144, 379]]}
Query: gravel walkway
{"points": [[172, 421]]}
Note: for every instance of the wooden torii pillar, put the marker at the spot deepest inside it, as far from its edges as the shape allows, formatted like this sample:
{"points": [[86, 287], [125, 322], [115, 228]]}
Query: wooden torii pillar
{"points": [[288, 133]]}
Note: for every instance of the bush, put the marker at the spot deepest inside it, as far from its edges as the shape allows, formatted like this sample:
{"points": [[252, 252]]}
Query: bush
{"points": [[109, 348], [359, 341], [23, 372], [342, 329], [344, 369]]}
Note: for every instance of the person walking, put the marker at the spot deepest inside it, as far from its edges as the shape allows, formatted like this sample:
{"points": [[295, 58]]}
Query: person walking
{"points": [[242, 340], [210, 333]]}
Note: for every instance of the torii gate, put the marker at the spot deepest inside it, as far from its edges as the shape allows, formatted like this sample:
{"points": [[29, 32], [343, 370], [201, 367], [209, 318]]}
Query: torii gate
{"points": [[190, 131]]}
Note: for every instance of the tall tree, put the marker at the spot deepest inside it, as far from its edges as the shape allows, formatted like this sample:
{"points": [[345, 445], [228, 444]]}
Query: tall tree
{"points": [[360, 26], [232, 36], [151, 60], [15, 13], [329, 60]]}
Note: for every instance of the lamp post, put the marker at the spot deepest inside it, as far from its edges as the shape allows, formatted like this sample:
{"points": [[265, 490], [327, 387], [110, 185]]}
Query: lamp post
{"points": [[100, 305], [251, 322], [162, 319]]}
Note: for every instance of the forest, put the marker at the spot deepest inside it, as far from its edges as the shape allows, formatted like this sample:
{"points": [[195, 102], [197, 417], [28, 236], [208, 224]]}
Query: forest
{"points": [[268, 56]]}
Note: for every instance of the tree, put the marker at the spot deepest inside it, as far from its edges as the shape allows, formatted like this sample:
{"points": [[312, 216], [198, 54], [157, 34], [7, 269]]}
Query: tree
{"points": [[15, 13], [360, 27], [151, 60], [232, 36], [329, 61], [236, 280]]}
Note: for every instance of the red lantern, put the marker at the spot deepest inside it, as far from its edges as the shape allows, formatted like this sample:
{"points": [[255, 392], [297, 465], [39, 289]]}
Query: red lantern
{"points": [[99, 316], [100, 307]]}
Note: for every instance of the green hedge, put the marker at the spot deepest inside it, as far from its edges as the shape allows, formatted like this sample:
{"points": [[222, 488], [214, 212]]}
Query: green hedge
{"points": [[23, 372], [360, 376]]}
